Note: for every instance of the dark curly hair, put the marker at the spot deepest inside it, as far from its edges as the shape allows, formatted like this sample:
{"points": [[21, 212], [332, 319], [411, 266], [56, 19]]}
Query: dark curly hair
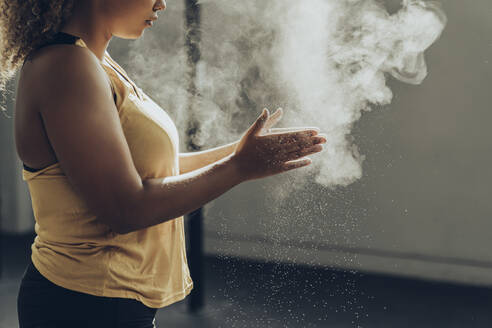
{"points": [[24, 26]]}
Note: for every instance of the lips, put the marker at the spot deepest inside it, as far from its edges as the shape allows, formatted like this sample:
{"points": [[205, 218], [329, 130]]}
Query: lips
{"points": [[151, 20]]}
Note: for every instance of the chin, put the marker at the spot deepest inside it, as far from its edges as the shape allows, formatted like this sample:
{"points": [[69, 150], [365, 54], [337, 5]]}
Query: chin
{"points": [[139, 35], [130, 36]]}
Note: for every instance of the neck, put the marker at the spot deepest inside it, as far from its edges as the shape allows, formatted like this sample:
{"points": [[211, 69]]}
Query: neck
{"points": [[87, 23]]}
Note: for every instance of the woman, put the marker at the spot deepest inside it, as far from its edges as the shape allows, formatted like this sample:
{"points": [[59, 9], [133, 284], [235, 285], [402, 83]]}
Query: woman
{"points": [[109, 188]]}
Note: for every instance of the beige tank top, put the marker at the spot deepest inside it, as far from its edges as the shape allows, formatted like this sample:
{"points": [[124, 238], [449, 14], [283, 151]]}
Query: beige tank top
{"points": [[74, 250]]}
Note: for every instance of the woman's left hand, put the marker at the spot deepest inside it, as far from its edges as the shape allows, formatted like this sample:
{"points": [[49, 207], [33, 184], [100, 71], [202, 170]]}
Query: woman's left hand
{"points": [[272, 121]]}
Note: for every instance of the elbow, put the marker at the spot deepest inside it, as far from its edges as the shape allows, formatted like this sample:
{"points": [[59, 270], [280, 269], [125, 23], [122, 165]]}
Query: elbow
{"points": [[116, 223], [122, 230], [118, 208], [120, 218], [119, 226]]}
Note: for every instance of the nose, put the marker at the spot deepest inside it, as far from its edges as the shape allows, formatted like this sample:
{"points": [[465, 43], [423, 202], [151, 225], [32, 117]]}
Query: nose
{"points": [[160, 5]]}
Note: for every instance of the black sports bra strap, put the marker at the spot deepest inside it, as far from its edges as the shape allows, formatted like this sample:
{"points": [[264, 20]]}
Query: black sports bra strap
{"points": [[62, 38], [58, 38]]}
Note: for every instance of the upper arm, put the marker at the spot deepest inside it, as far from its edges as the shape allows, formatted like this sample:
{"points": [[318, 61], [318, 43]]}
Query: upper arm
{"points": [[84, 129]]}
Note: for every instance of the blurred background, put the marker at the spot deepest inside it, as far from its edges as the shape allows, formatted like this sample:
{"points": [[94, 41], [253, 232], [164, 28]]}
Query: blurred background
{"points": [[405, 245]]}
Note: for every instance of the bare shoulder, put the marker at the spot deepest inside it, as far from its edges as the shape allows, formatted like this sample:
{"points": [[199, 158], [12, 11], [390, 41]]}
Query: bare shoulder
{"points": [[61, 71]]}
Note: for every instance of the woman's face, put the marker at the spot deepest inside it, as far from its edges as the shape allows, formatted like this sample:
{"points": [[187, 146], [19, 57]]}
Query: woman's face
{"points": [[128, 18]]}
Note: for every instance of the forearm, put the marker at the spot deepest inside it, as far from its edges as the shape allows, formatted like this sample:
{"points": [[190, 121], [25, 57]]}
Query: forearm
{"points": [[193, 161], [160, 200]]}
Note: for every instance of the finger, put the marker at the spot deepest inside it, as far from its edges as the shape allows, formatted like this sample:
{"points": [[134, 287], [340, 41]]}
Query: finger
{"points": [[296, 164], [258, 125], [308, 142], [292, 129], [299, 145], [304, 152], [322, 137], [282, 138], [274, 119]]}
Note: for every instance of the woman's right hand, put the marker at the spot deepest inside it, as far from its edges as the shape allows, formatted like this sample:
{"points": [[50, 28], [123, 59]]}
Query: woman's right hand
{"points": [[260, 153]]}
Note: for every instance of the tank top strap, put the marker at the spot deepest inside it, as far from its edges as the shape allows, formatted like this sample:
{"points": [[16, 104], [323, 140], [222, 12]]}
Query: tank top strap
{"points": [[79, 42]]}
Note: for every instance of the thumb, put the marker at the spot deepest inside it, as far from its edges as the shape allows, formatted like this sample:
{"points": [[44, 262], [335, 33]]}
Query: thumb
{"points": [[259, 123]]}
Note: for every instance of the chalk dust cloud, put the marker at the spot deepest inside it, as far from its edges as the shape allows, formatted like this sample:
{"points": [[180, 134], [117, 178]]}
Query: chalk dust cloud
{"points": [[324, 61]]}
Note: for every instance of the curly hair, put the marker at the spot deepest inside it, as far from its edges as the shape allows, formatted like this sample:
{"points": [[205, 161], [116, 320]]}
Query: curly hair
{"points": [[24, 26]]}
